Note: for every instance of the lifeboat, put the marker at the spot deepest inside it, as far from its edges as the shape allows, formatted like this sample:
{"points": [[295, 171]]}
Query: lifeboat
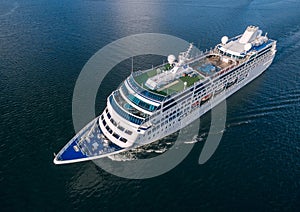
{"points": [[219, 90], [195, 104], [231, 83], [205, 98]]}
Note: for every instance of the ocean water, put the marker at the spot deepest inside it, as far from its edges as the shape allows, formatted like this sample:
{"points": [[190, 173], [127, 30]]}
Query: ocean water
{"points": [[45, 44]]}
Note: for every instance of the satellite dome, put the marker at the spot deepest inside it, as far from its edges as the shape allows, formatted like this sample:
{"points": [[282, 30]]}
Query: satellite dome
{"points": [[247, 46], [171, 59], [224, 40]]}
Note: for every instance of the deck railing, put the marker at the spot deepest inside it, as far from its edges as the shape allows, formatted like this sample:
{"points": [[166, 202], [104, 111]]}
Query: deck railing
{"points": [[123, 113], [144, 92]]}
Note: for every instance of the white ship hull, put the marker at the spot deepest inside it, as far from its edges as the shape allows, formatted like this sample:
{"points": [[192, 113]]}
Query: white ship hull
{"points": [[150, 105], [214, 101]]}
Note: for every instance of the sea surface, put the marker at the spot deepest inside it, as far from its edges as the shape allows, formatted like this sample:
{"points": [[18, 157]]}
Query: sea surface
{"points": [[43, 47]]}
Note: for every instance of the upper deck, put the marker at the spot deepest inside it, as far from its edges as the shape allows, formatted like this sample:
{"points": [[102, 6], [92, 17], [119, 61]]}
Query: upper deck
{"points": [[196, 70], [176, 85], [180, 74]]}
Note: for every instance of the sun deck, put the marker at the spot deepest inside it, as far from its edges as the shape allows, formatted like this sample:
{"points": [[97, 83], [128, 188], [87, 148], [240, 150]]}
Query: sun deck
{"points": [[196, 70], [177, 85], [211, 64]]}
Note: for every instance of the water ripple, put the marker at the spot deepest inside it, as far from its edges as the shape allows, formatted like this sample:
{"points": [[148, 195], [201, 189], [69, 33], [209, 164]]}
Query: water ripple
{"points": [[14, 7]]}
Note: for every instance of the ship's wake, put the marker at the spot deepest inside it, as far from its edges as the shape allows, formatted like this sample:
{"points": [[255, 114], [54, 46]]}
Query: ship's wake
{"points": [[11, 11], [197, 138], [148, 151], [156, 148]]}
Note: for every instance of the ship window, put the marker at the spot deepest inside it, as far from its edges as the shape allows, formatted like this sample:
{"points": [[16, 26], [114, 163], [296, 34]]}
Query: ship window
{"points": [[124, 114], [128, 132], [104, 122], [113, 122], [116, 135], [108, 115], [141, 103], [108, 129], [127, 107], [121, 128], [123, 139]]}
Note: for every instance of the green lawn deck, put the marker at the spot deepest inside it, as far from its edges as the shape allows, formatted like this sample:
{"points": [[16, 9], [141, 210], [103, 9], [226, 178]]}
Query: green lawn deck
{"points": [[142, 78], [178, 87], [191, 80]]}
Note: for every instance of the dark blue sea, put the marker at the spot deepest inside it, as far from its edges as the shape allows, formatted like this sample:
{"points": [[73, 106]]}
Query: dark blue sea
{"points": [[43, 47]]}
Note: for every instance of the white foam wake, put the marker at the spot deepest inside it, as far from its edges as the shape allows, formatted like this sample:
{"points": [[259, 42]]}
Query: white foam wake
{"points": [[196, 139], [11, 11]]}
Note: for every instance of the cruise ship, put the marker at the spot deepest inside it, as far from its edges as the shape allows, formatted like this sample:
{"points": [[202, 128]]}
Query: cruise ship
{"points": [[157, 102]]}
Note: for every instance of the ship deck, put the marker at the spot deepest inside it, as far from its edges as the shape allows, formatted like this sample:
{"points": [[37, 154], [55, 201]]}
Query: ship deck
{"points": [[171, 88], [210, 65], [91, 146], [205, 66]]}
